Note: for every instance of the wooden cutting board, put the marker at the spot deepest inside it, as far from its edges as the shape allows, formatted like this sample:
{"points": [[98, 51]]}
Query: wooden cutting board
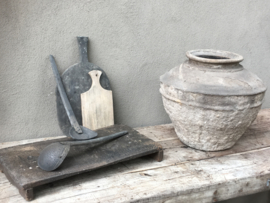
{"points": [[76, 81], [19, 163], [97, 104]]}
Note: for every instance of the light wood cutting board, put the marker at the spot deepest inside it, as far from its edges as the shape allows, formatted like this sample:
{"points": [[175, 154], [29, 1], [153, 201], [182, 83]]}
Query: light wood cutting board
{"points": [[97, 104]]}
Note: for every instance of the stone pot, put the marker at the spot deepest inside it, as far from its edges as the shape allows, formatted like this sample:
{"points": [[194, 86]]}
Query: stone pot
{"points": [[211, 99]]}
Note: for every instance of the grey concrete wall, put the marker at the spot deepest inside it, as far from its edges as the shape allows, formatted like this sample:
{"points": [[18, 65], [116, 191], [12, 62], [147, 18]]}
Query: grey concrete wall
{"points": [[133, 41]]}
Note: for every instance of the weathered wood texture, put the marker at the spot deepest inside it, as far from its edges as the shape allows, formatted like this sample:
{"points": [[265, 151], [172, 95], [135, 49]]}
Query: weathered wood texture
{"points": [[19, 163], [185, 175], [97, 104]]}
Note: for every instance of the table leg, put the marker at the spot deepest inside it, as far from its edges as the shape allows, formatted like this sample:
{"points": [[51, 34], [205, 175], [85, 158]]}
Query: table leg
{"points": [[27, 194]]}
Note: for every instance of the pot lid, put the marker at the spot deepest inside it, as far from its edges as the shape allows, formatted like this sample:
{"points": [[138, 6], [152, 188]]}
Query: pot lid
{"points": [[215, 73]]}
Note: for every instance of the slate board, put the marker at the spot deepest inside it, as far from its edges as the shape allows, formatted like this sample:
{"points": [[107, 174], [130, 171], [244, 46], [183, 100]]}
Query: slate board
{"points": [[19, 163]]}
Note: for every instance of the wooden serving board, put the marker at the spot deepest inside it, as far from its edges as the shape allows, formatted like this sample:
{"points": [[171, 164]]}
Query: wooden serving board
{"points": [[97, 104], [19, 163]]}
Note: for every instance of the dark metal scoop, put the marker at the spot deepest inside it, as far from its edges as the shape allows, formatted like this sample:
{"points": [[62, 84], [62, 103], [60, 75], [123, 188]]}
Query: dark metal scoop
{"points": [[52, 156], [77, 131]]}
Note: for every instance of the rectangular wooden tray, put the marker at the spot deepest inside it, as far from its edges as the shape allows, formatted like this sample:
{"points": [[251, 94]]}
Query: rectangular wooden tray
{"points": [[19, 163]]}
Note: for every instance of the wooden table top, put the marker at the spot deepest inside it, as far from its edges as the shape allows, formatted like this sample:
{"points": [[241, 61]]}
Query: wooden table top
{"points": [[185, 174]]}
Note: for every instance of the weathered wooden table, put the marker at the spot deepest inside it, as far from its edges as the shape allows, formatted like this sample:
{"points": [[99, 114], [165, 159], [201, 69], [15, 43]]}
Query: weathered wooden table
{"points": [[185, 174]]}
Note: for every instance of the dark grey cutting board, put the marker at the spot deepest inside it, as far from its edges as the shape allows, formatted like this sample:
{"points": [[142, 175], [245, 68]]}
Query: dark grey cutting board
{"points": [[19, 163], [76, 80]]}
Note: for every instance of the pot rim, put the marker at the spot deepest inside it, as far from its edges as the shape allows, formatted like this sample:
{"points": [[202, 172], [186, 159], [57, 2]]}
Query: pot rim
{"points": [[214, 56]]}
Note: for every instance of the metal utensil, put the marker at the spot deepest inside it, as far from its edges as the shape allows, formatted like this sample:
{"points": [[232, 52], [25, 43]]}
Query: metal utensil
{"points": [[77, 132], [52, 156]]}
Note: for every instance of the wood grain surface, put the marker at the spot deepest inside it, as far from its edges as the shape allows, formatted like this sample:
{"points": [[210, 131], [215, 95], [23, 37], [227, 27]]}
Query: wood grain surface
{"points": [[185, 175], [97, 104], [19, 163]]}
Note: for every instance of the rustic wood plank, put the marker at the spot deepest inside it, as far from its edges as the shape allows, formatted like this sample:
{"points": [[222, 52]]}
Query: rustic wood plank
{"points": [[262, 120], [23, 142], [159, 132], [19, 163], [185, 175], [97, 104], [201, 181]]}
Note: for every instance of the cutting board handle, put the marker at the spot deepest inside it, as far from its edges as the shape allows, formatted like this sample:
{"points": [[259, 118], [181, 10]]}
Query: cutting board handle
{"points": [[95, 75], [83, 42]]}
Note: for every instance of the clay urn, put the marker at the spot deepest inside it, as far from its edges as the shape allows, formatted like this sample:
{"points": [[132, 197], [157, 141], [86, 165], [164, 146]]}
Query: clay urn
{"points": [[211, 99]]}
